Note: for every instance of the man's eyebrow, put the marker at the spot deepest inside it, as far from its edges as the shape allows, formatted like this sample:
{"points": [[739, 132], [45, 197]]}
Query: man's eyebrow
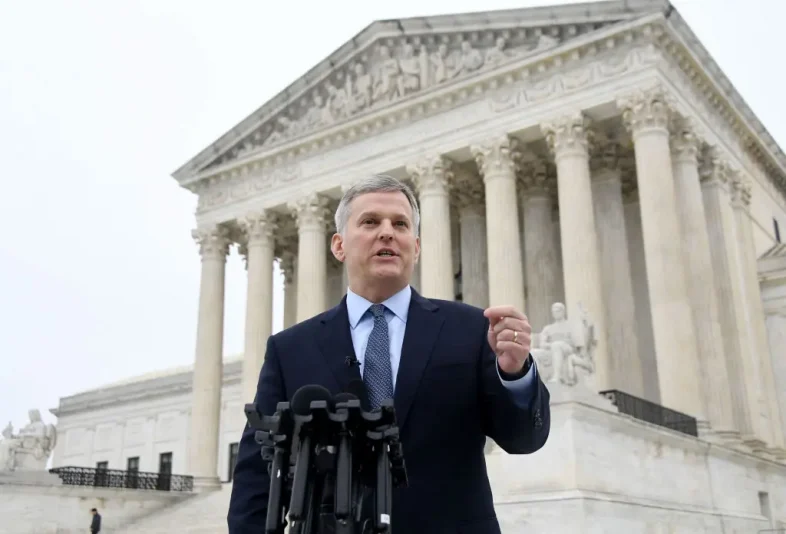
{"points": [[371, 213]]}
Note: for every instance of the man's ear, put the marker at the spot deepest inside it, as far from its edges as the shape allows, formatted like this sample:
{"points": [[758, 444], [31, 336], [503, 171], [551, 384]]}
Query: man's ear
{"points": [[337, 247], [417, 249]]}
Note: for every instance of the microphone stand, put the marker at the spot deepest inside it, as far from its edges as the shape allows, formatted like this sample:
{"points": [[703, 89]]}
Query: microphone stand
{"points": [[346, 450]]}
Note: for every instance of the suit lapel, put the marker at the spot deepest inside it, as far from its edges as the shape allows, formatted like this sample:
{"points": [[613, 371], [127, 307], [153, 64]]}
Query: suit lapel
{"points": [[335, 343], [424, 323]]}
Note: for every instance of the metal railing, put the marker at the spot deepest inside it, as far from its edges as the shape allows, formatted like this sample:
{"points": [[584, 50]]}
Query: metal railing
{"points": [[650, 412], [115, 478]]}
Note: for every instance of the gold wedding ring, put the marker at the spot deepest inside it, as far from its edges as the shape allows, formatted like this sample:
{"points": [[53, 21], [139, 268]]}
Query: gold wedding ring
{"points": [[515, 336]]}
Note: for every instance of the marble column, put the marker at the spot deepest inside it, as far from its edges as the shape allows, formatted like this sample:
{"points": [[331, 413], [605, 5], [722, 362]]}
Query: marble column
{"points": [[472, 232], [311, 216], [772, 273], [208, 364], [541, 249], [258, 230], [496, 159], [646, 114], [626, 372], [720, 228], [701, 285], [431, 176], [289, 268], [760, 350], [567, 138], [641, 295]]}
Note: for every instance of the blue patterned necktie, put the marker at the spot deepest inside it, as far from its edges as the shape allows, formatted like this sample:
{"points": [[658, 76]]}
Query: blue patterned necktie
{"points": [[377, 373]]}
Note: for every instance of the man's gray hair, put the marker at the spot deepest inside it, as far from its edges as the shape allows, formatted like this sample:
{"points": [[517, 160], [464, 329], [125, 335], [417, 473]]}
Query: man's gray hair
{"points": [[378, 183]]}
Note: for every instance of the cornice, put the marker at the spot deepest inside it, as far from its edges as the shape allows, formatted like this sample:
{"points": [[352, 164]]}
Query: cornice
{"points": [[143, 390], [537, 78], [530, 80], [706, 76], [592, 14]]}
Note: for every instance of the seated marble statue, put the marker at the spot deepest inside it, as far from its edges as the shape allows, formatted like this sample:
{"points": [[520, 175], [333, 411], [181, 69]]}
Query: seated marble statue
{"points": [[565, 346], [30, 448]]}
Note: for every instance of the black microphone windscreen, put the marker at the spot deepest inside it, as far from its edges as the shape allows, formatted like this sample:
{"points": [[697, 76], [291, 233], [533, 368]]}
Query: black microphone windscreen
{"points": [[344, 397], [303, 397], [357, 388]]}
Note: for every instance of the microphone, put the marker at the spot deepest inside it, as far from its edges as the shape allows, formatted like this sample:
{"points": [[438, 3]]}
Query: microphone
{"points": [[350, 361], [332, 458], [310, 405]]}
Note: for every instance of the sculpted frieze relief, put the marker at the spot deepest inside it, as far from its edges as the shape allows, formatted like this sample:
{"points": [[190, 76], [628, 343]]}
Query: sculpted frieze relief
{"points": [[238, 185], [391, 70]]}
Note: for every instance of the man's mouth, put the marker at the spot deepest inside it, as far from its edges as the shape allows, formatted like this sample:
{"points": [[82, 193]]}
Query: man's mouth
{"points": [[386, 253]]}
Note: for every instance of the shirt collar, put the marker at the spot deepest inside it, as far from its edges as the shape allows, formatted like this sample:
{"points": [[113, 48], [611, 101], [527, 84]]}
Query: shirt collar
{"points": [[398, 304]]}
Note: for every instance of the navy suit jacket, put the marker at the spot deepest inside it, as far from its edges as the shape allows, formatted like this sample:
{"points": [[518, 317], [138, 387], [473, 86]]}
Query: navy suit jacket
{"points": [[448, 398]]}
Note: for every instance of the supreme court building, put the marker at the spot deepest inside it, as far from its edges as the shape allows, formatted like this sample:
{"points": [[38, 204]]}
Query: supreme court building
{"points": [[649, 197]]}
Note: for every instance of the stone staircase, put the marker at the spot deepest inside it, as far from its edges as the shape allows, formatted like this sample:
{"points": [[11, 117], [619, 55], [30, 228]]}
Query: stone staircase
{"points": [[205, 513]]}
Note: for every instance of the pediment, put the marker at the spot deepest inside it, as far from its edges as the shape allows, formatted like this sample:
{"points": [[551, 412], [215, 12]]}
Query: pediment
{"points": [[392, 61]]}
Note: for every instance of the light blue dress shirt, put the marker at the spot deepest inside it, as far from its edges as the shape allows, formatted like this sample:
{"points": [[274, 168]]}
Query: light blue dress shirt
{"points": [[361, 324]]}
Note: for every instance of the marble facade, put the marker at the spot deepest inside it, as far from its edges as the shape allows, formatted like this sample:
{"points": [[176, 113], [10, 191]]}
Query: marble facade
{"points": [[644, 192], [631, 175]]}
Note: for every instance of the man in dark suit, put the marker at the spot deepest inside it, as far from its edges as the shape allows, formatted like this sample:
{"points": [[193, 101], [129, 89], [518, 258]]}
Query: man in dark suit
{"points": [[456, 373], [95, 523]]}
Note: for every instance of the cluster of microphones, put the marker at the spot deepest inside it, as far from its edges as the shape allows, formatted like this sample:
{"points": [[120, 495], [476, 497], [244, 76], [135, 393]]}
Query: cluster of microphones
{"points": [[333, 463]]}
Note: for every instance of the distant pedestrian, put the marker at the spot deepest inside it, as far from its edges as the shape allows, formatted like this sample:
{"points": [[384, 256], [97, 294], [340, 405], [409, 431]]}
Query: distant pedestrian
{"points": [[95, 525]]}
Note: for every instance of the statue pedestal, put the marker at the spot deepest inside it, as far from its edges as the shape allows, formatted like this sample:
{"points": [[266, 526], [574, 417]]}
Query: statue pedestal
{"points": [[602, 471], [22, 477]]}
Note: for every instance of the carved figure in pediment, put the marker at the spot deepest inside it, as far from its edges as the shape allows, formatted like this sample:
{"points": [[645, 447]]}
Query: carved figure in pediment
{"points": [[442, 64], [338, 101], [409, 81], [545, 41], [387, 76], [363, 90], [496, 55], [395, 73], [566, 346], [317, 115], [470, 59]]}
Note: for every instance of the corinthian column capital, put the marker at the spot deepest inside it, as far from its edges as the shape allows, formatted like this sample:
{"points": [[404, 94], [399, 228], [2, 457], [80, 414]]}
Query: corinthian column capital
{"points": [[713, 167], [605, 154], [740, 189], [310, 212], [536, 180], [257, 228], [431, 174], [685, 141], [468, 188], [213, 242], [646, 109], [497, 156], [568, 134]]}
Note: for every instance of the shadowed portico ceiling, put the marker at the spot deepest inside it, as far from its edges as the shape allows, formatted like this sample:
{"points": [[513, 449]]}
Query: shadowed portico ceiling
{"points": [[356, 90]]}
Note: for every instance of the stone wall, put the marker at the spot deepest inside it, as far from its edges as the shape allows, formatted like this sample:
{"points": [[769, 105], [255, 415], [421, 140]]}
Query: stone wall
{"points": [[53, 509], [622, 475]]}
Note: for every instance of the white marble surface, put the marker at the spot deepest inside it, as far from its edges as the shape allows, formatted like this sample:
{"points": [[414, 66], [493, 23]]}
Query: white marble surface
{"points": [[58, 509]]}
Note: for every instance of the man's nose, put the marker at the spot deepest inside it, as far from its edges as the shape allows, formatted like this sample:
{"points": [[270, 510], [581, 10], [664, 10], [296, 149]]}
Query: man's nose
{"points": [[386, 231]]}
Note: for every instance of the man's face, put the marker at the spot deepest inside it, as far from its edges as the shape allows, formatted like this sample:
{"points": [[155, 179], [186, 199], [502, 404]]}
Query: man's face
{"points": [[379, 247]]}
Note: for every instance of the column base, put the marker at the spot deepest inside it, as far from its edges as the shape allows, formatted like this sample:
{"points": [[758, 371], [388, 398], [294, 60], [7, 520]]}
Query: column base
{"points": [[730, 438], [779, 454], [206, 484]]}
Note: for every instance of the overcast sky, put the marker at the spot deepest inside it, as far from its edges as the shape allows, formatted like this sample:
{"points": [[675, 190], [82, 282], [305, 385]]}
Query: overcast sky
{"points": [[101, 101]]}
